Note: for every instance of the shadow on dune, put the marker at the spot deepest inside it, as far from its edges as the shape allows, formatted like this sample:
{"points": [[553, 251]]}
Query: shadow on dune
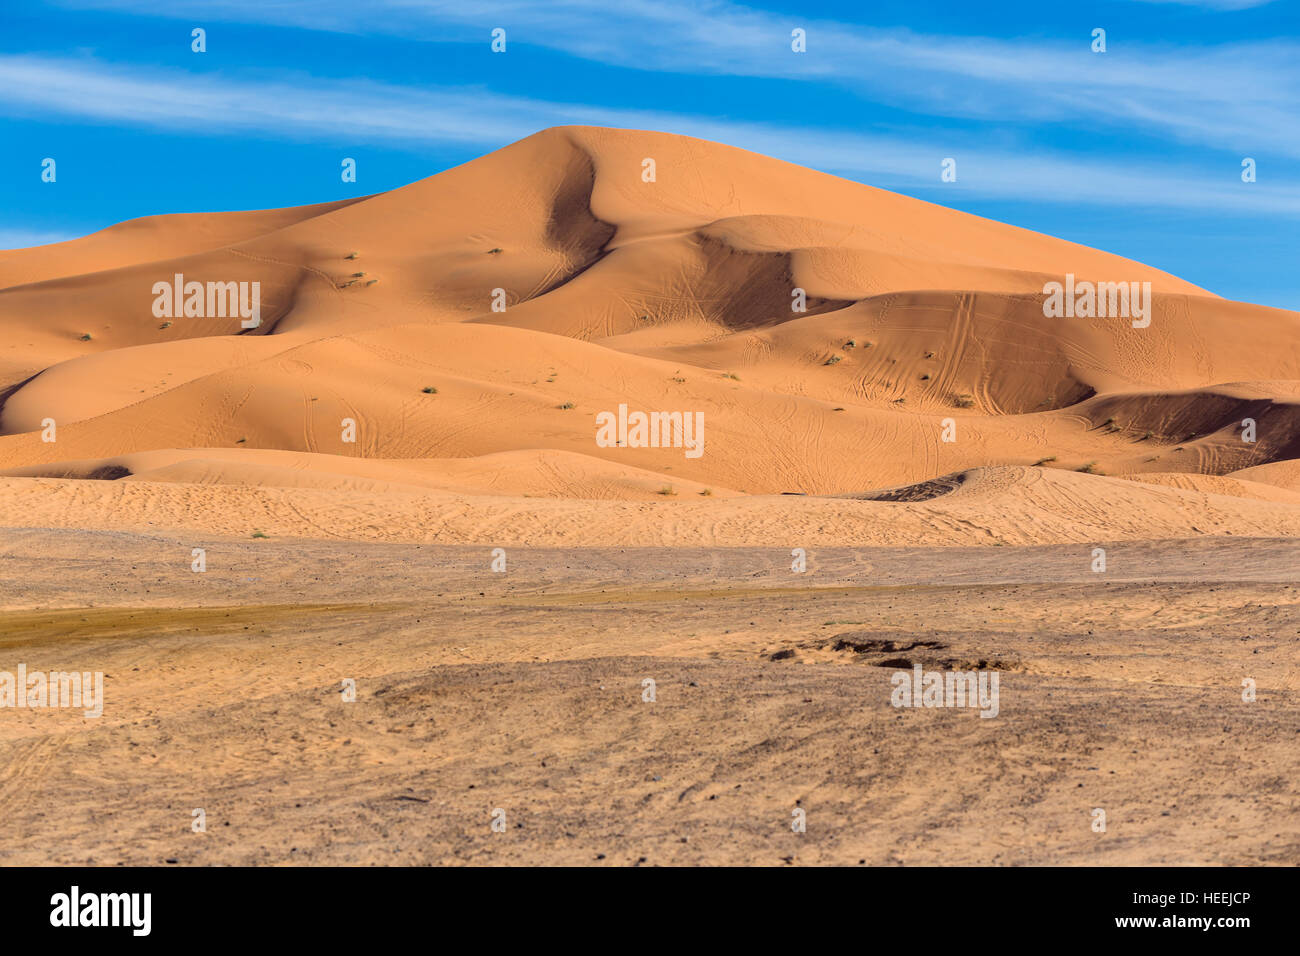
{"points": [[920, 491]]}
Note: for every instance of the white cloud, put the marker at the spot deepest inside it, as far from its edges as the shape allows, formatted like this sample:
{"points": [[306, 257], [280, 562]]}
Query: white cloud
{"points": [[1238, 96], [22, 238], [366, 111], [1215, 4]]}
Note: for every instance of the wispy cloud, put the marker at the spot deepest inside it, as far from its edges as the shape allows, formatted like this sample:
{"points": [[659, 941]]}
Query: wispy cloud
{"points": [[22, 238], [1214, 4], [1237, 96], [317, 110]]}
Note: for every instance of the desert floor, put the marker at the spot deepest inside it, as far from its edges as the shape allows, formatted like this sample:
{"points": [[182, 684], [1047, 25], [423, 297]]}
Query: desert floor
{"points": [[523, 691]]}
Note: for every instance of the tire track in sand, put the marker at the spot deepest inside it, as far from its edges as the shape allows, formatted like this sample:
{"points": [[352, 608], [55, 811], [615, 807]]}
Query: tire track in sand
{"points": [[24, 772]]}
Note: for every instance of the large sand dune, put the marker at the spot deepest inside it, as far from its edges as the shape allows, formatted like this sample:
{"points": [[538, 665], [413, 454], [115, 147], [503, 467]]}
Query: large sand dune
{"points": [[671, 295]]}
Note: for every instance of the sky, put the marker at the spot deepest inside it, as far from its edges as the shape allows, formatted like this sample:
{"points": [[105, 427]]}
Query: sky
{"points": [[1137, 150]]}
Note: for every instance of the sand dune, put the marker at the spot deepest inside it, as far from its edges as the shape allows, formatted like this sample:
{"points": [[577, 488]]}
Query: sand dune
{"points": [[922, 351], [1283, 474], [987, 507], [536, 473]]}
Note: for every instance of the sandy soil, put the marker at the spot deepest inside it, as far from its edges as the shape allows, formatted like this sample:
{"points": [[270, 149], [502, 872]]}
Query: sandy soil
{"points": [[523, 691]]}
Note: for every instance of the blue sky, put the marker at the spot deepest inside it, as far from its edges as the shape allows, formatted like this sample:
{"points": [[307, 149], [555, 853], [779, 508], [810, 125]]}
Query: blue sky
{"points": [[1137, 151]]}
